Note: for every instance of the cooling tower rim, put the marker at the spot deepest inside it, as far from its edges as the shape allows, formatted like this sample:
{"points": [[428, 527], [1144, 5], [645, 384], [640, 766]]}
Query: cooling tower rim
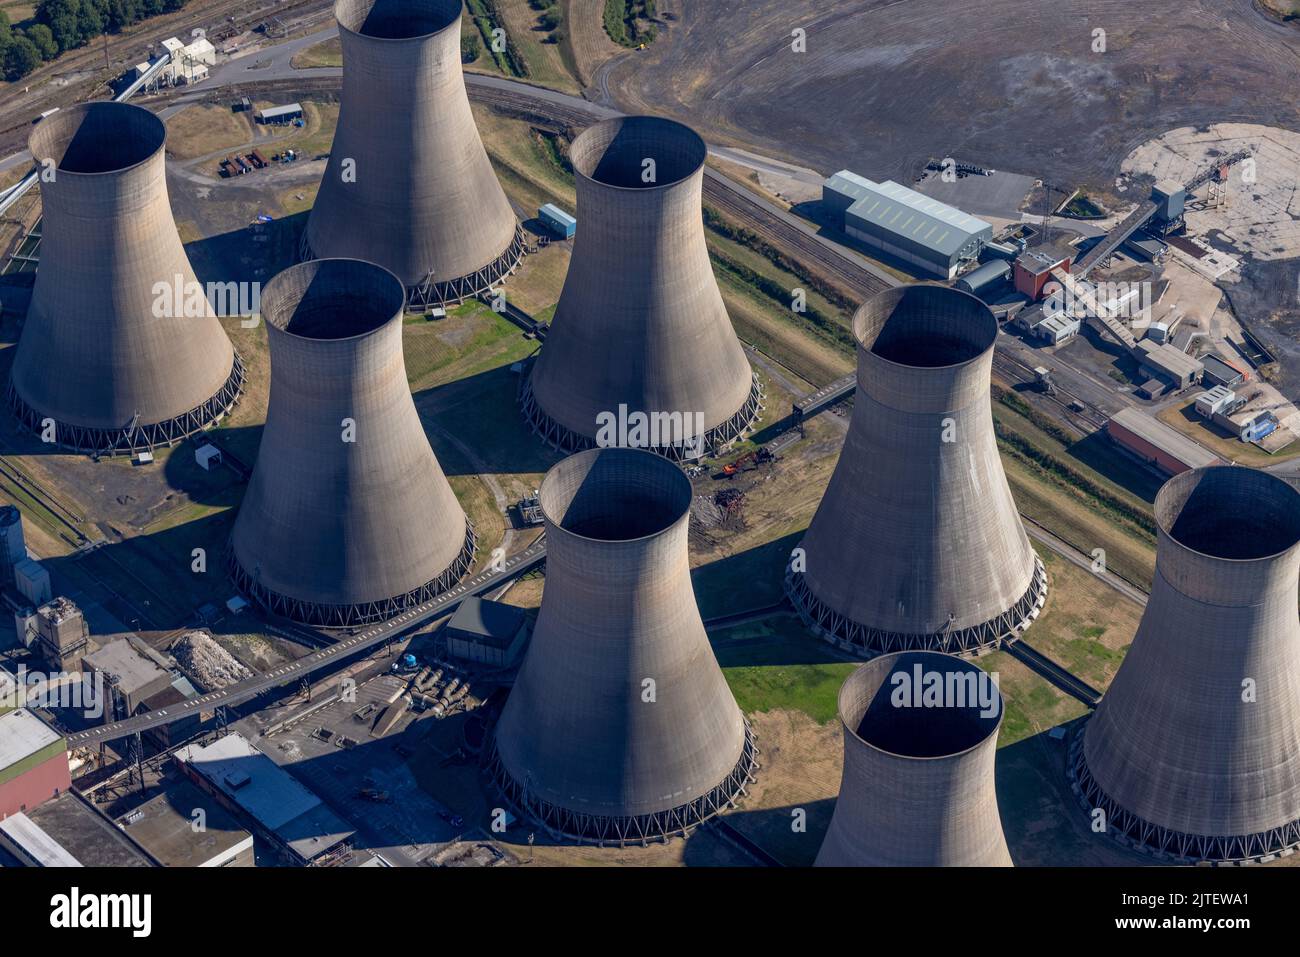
{"points": [[385, 314], [873, 312], [340, 12], [54, 125], [649, 459], [885, 663], [1165, 514], [696, 141]]}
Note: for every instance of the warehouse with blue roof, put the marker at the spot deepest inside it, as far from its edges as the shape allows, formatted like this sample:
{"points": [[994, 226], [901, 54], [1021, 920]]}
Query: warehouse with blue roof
{"points": [[921, 232]]}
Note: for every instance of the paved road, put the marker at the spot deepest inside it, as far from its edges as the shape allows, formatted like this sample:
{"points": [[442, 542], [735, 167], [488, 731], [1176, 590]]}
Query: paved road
{"points": [[296, 670]]}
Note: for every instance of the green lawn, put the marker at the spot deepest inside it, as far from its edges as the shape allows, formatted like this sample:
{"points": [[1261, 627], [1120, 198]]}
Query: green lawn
{"points": [[777, 664]]}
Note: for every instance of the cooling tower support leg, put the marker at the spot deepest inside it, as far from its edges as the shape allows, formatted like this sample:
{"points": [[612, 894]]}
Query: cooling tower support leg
{"points": [[134, 438], [348, 616], [453, 292], [716, 440], [863, 640], [1133, 832], [642, 829]]}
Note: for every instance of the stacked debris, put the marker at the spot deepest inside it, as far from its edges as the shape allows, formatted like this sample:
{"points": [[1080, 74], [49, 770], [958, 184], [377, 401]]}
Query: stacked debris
{"points": [[206, 663]]}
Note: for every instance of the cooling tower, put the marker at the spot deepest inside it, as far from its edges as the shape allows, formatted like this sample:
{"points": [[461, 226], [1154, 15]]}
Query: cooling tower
{"points": [[920, 737], [917, 543], [640, 323], [620, 727], [408, 184], [120, 350], [1194, 752], [348, 517]]}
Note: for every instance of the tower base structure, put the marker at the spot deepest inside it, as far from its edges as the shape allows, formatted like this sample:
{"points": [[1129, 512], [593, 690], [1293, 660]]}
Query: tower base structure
{"points": [[453, 292], [136, 436], [1129, 830], [716, 439], [860, 639], [351, 616], [641, 829]]}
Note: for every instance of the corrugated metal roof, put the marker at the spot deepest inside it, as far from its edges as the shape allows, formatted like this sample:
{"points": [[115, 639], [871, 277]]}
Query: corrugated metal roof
{"points": [[273, 111], [1164, 438], [905, 212], [38, 845]]}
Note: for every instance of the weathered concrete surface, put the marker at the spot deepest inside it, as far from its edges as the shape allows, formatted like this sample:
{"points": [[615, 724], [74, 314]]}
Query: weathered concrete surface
{"points": [[918, 787], [425, 203], [347, 505], [101, 346], [1199, 733]]}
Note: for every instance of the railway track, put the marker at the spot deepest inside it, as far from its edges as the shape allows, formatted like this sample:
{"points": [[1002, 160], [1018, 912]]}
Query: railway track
{"points": [[1077, 411]]}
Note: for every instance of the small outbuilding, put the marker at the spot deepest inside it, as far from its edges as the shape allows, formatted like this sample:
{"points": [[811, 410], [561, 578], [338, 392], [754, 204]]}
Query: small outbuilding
{"points": [[487, 632]]}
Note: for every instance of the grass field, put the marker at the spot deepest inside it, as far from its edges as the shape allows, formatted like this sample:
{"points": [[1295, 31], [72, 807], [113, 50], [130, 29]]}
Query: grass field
{"points": [[327, 53], [1086, 625], [201, 129], [776, 664]]}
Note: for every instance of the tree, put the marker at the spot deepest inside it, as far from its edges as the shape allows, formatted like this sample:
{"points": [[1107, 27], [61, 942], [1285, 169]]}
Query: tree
{"points": [[6, 31], [43, 40], [21, 57], [61, 17], [469, 48]]}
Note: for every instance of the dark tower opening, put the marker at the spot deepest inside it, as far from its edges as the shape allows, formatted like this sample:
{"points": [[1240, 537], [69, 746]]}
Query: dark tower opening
{"points": [[333, 299], [928, 327], [1229, 513], [615, 495], [102, 138], [613, 153], [917, 731], [397, 19]]}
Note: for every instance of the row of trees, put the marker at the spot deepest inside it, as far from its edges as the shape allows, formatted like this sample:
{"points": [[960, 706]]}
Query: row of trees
{"points": [[66, 24]]}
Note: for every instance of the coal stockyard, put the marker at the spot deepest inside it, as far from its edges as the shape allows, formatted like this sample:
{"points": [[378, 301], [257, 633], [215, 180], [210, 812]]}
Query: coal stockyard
{"points": [[550, 434]]}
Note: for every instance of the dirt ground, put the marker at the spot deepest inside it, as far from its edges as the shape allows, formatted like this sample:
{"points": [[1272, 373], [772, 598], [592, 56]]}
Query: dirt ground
{"points": [[1011, 84]]}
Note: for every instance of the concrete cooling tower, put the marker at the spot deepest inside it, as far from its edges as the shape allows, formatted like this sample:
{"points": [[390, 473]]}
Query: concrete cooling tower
{"points": [[640, 324], [620, 727], [408, 184], [917, 543], [120, 350], [920, 738], [1194, 752], [348, 517]]}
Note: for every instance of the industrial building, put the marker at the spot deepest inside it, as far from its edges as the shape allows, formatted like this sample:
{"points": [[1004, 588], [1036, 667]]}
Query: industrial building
{"points": [[1034, 267], [131, 674], [165, 826], [33, 761], [917, 543], [189, 62], [1194, 752], [409, 185], [269, 799], [279, 115], [62, 635], [69, 831], [13, 547], [348, 517], [640, 325], [917, 788], [1156, 443], [487, 632], [924, 233], [1217, 371], [32, 580], [1218, 401], [108, 240], [992, 276], [1168, 365], [579, 746]]}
